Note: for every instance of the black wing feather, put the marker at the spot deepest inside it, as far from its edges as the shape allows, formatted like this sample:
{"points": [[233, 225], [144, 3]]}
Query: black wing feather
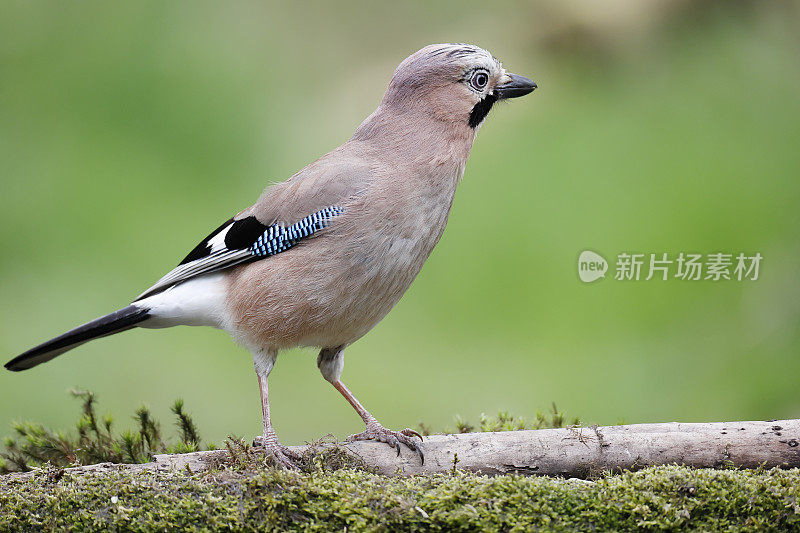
{"points": [[243, 233], [204, 249]]}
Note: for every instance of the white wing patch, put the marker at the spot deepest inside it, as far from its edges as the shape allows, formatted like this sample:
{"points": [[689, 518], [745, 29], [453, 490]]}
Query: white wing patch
{"points": [[217, 242]]}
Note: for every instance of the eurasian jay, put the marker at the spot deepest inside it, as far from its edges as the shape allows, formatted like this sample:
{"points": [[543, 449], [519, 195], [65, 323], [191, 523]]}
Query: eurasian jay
{"points": [[322, 257]]}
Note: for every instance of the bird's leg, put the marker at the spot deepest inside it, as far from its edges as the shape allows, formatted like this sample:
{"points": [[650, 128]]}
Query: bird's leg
{"points": [[268, 440], [375, 431], [331, 363]]}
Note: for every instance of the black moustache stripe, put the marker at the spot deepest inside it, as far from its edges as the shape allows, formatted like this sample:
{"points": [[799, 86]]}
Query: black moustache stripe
{"points": [[480, 110]]}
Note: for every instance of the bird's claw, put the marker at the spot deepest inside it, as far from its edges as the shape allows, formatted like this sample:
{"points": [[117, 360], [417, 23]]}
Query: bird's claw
{"points": [[411, 433], [282, 455], [394, 439]]}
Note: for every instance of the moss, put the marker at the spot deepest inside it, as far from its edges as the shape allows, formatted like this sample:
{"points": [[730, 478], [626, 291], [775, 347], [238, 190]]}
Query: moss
{"points": [[667, 497], [504, 421], [34, 445]]}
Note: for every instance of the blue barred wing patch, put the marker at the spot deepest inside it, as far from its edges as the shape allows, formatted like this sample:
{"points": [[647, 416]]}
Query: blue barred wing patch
{"points": [[277, 239]]}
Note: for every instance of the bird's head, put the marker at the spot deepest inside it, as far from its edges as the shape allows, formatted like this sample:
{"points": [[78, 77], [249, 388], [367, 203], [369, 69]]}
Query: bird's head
{"points": [[455, 83]]}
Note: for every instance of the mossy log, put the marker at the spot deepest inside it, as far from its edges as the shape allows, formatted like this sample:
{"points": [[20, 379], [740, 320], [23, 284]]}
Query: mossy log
{"points": [[579, 452]]}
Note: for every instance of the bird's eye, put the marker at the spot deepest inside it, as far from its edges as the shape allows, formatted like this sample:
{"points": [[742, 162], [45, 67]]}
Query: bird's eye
{"points": [[479, 80]]}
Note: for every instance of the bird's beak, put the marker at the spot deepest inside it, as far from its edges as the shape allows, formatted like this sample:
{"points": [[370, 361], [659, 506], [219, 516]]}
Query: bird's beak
{"points": [[516, 86]]}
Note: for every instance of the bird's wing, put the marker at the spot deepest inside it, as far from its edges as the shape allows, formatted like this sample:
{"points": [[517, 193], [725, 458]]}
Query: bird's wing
{"points": [[241, 241], [285, 214]]}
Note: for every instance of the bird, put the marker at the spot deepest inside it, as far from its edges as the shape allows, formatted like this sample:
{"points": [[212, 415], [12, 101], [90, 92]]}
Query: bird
{"points": [[322, 257]]}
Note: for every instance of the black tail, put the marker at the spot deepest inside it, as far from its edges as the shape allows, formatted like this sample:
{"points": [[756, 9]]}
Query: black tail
{"points": [[124, 319]]}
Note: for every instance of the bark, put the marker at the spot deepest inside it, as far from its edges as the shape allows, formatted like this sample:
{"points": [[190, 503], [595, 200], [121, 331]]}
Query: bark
{"points": [[578, 452]]}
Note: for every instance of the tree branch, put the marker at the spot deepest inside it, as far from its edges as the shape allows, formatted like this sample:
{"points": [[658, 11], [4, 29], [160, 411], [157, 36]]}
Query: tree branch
{"points": [[570, 452]]}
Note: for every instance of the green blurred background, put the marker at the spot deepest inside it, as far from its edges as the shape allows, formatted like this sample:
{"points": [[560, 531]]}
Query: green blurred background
{"points": [[129, 131]]}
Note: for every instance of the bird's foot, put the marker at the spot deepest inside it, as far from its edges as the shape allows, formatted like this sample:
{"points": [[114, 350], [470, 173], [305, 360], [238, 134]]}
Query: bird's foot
{"points": [[377, 432], [283, 456]]}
